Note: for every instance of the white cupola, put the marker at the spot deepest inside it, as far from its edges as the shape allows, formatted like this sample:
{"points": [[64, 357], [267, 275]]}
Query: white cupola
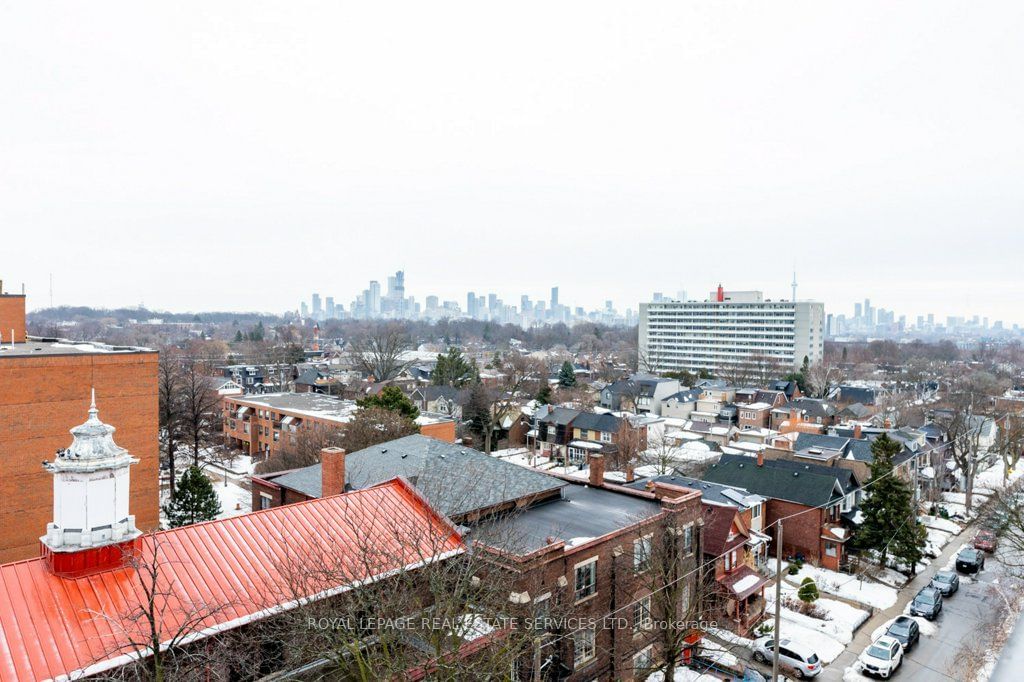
{"points": [[90, 490]]}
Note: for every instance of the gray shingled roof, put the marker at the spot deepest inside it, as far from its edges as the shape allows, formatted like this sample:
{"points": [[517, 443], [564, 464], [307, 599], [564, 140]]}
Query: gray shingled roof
{"points": [[776, 479], [597, 422], [456, 479]]}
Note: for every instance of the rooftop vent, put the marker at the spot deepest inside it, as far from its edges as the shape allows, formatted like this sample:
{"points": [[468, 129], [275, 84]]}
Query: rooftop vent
{"points": [[795, 474]]}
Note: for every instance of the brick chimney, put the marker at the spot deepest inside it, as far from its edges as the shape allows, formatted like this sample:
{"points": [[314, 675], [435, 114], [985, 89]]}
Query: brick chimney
{"points": [[596, 470], [856, 431], [332, 471], [760, 458]]}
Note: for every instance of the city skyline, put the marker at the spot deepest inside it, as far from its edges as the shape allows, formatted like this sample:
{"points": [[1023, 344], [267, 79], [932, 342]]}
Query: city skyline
{"points": [[276, 173]]}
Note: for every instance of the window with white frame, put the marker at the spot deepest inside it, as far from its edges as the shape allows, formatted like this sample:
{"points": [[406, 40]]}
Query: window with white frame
{"points": [[266, 501], [644, 659], [586, 579], [584, 647], [606, 436], [642, 548], [830, 549], [755, 511], [642, 614], [688, 539]]}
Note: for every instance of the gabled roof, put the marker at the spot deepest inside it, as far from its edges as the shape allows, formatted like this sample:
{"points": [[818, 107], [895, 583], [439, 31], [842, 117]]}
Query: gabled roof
{"points": [[431, 393], [687, 396], [820, 440], [813, 407], [560, 415], [51, 626], [455, 478], [597, 422], [807, 485], [717, 525]]}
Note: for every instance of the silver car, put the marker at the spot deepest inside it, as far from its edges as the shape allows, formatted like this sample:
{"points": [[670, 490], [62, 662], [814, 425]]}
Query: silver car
{"points": [[793, 655]]}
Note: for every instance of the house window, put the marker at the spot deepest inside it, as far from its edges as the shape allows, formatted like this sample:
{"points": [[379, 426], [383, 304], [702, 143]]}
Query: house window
{"points": [[729, 559], [688, 539], [586, 579], [642, 553], [830, 549], [755, 511], [642, 615], [606, 437], [584, 647], [684, 601], [265, 501], [644, 660]]}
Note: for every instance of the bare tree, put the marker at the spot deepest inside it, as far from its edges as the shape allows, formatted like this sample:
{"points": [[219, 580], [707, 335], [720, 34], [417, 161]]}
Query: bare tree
{"points": [[489, 408], [378, 352], [169, 383], [662, 452], [301, 449], [157, 630], [630, 444], [375, 425], [200, 413], [823, 376]]}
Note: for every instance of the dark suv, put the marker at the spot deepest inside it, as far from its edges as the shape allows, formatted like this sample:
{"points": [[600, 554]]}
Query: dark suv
{"points": [[927, 603], [905, 630], [970, 560]]}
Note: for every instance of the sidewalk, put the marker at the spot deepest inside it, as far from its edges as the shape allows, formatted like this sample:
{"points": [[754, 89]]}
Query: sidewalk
{"points": [[834, 671]]}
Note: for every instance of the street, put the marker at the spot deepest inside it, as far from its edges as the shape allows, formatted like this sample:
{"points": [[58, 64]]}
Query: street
{"points": [[961, 634]]}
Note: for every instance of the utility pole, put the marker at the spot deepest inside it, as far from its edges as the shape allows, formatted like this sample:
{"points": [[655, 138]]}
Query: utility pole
{"points": [[778, 602]]}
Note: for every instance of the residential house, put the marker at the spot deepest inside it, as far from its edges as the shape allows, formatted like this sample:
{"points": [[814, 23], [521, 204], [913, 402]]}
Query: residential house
{"points": [[554, 433], [809, 497], [639, 393], [592, 432], [439, 399], [680, 405]]}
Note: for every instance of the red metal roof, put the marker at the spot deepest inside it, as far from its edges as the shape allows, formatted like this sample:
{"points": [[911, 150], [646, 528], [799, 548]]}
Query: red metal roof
{"points": [[52, 626]]}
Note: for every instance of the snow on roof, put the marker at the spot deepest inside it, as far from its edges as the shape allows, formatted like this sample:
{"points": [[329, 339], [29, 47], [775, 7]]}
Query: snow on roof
{"points": [[746, 583]]}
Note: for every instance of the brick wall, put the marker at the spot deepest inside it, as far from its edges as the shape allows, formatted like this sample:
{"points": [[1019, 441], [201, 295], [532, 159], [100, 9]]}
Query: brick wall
{"points": [[801, 534], [12, 316], [41, 398]]}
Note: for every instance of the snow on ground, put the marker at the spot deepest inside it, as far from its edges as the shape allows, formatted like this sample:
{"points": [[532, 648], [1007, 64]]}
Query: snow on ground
{"points": [[938, 523], [730, 637], [234, 499], [936, 541], [828, 638], [992, 478], [889, 576], [977, 499], [714, 651], [846, 586]]}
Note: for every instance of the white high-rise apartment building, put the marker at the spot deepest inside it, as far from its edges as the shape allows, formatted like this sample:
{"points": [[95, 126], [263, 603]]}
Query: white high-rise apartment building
{"points": [[728, 329]]}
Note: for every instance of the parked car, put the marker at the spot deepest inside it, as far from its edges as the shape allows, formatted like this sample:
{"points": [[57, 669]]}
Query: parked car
{"points": [[801, 659], [882, 657], [927, 603], [985, 540], [946, 582], [905, 630], [970, 560]]}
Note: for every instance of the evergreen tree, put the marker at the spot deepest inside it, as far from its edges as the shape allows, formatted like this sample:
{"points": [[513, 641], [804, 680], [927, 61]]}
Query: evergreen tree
{"points": [[544, 395], [808, 591], [195, 500], [566, 375], [890, 524], [391, 398], [453, 369], [238, 336]]}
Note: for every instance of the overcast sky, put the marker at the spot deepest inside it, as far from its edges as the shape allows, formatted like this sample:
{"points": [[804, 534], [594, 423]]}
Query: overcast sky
{"points": [[218, 155]]}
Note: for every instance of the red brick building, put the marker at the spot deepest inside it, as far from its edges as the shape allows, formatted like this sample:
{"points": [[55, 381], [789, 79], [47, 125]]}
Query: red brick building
{"points": [[262, 424], [45, 387]]}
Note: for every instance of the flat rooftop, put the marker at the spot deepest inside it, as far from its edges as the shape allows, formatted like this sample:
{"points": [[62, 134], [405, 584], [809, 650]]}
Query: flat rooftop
{"points": [[51, 347], [303, 404], [581, 514]]}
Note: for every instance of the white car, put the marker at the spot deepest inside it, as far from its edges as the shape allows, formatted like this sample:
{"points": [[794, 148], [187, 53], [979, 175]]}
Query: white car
{"points": [[882, 657], [800, 659]]}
